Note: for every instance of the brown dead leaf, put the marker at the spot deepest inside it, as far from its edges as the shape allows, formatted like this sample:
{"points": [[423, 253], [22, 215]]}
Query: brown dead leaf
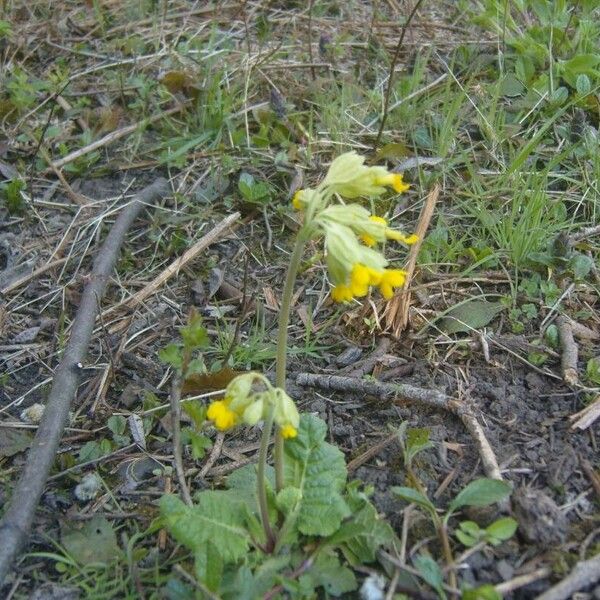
{"points": [[208, 382]]}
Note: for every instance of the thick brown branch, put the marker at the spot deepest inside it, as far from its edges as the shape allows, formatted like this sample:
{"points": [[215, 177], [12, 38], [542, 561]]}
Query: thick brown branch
{"points": [[16, 523]]}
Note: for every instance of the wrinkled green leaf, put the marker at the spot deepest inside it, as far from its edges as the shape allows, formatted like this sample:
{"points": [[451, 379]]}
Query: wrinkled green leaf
{"points": [[198, 442], [583, 85], [215, 518], [318, 470], [469, 316], [328, 573], [364, 533], [581, 265]]}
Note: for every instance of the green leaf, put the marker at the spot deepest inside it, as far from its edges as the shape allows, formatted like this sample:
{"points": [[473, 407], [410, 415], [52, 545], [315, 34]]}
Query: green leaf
{"points": [[559, 96], [194, 334], [171, 355], [288, 499], [430, 572], [511, 86], [318, 470], [328, 573], [417, 440], [245, 185], [216, 518], [501, 530], [481, 492], [411, 495], [469, 533], [13, 441], [465, 539], [483, 592], [364, 533], [583, 85], [209, 566], [91, 542], [196, 411], [199, 443], [469, 316], [242, 482], [117, 424], [581, 265]]}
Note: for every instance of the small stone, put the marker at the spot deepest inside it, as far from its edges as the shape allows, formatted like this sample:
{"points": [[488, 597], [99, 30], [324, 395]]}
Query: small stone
{"points": [[32, 414], [540, 520], [349, 356], [373, 587], [88, 488], [505, 570]]}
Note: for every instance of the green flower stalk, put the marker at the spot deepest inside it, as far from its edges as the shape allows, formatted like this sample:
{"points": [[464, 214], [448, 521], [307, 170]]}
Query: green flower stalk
{"points": [[355, 263]]}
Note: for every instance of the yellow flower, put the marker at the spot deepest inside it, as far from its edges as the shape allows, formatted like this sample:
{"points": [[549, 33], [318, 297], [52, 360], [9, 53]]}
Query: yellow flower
{"points": [[394, 180], [297, 200], [288, 431], [367, 239], [391, 278], [349, 177], [392, 234], [221, 415], [341, 293]]}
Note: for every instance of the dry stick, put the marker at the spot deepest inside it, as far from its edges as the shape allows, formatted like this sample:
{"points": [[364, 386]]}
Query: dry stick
{"points": [[16, 523], [33, 275], [210, 238], [388, 91], [570, 351], [175, 398], [522, 580], [409, 393], [113, 136], [396, 312], [584, 574]]}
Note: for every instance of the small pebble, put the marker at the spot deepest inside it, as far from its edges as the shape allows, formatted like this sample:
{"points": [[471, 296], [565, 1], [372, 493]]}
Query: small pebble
{"points": [[33, 414], [88, 488], [373, 588]]}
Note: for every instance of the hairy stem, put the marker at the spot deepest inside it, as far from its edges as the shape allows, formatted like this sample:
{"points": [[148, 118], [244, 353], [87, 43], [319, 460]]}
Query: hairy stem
{"points": [[261, 480], [282, 340]]}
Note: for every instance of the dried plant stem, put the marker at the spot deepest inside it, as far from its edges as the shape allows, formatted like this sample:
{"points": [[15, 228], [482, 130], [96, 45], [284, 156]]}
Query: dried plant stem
{"points": [[175, 398], [17, 520], [388, 90]]}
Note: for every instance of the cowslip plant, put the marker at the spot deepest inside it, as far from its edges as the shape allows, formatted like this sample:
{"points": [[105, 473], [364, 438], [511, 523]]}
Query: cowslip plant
{"points": [[285, 530]]}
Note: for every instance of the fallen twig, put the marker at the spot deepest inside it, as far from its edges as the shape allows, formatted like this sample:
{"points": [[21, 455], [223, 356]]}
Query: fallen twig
{"points": [[522, 580], [210, 238], [366, 366], [113, 136], [17, 520], [408, 393], [570, 351], [584, 574], [586, 417]]}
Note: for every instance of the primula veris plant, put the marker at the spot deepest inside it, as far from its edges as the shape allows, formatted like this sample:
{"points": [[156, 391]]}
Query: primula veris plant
{"points": [[305, 504]]}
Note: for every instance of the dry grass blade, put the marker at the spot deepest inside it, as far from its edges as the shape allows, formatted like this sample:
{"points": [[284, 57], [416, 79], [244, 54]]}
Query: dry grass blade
{"points": [[396, 311]]}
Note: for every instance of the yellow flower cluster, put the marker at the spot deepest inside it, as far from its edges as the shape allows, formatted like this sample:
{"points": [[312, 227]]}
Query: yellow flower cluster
{"points": [[351, 231], [242, 405]]}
